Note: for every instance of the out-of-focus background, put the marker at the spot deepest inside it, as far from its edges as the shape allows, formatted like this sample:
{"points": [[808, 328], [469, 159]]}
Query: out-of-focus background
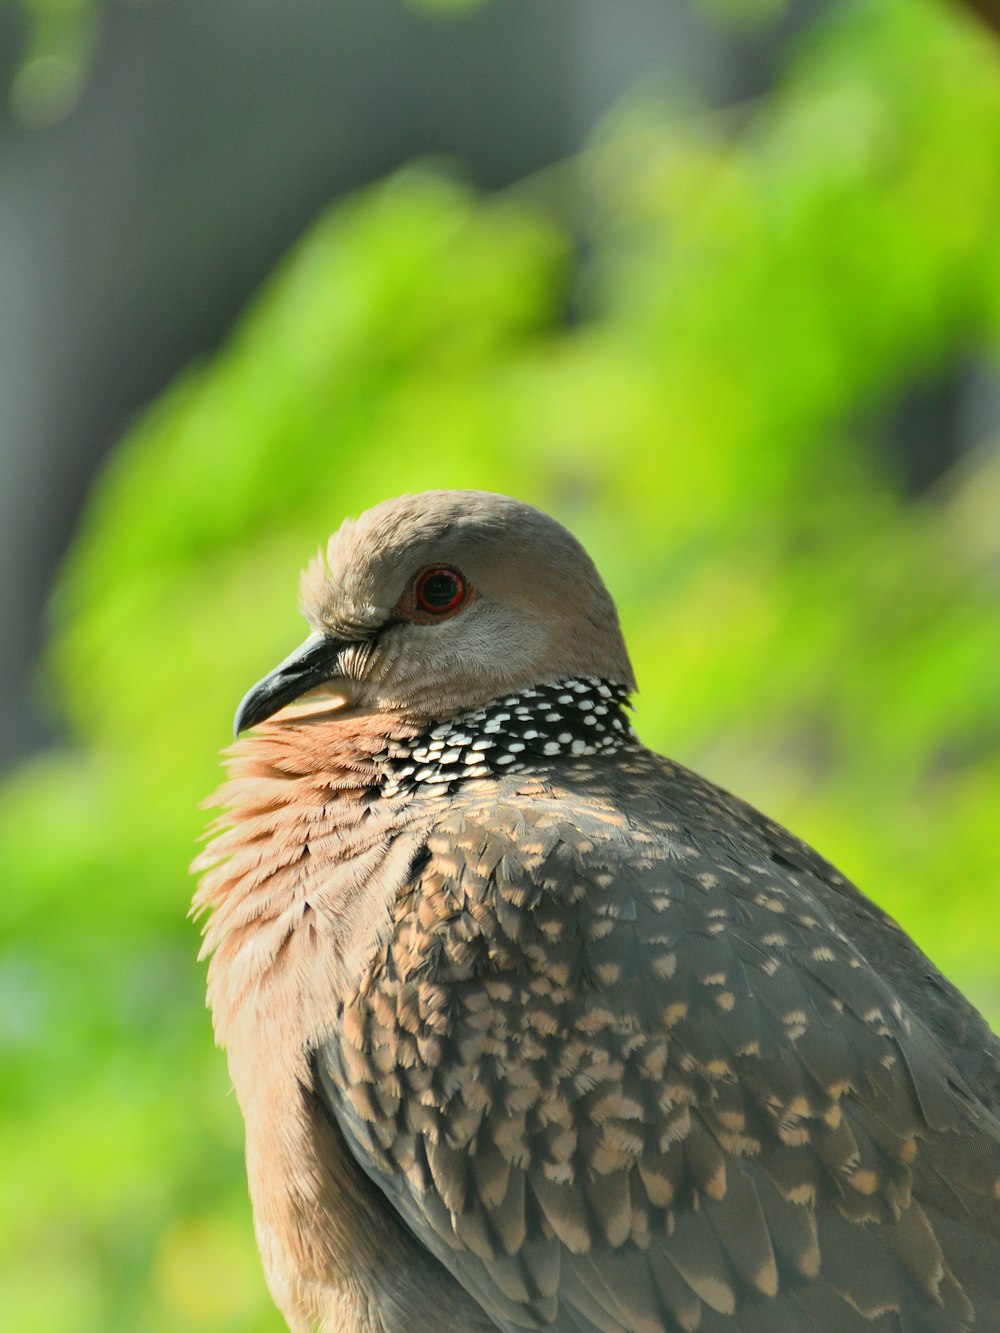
{"points": [[715, 282]]}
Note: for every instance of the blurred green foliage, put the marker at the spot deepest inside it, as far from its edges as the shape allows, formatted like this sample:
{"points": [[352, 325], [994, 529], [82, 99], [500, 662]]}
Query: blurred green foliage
{"points": [[750, 296], [58, 41]]}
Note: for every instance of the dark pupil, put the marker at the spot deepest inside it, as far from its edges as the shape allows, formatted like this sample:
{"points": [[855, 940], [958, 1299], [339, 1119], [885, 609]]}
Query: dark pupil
{"points": [[438, 590]]}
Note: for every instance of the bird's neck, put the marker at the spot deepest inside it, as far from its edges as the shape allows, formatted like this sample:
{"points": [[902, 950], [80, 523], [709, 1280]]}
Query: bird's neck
{"points": [[571, 718], [322, 819]]}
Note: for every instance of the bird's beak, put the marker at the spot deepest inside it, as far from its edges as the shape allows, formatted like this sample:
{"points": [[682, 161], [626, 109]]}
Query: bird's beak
{"points": [[314, 663]]}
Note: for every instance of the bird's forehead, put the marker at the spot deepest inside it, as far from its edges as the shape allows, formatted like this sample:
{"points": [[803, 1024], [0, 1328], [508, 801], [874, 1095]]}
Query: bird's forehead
{"points": [[378, 543]]}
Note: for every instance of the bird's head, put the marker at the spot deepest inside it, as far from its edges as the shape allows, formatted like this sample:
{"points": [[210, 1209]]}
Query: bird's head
{"points": [[430, 604]]}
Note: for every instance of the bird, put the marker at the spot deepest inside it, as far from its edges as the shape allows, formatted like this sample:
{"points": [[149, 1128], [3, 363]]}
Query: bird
{"points": [[533, 1028]]}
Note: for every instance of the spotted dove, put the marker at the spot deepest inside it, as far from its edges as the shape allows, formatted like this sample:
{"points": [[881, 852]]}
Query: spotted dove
{"points": [[532, 1028]]}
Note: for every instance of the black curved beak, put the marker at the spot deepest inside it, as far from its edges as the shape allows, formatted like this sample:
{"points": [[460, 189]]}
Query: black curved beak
{"points": [[310, 665]]}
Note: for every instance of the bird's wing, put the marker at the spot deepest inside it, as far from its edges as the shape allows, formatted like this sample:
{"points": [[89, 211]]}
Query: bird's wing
{"points": [[614, 1083], [928, 995]]}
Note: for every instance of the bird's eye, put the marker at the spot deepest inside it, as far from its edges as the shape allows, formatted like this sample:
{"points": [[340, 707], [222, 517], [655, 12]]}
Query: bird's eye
{"points": [[439, 591]]}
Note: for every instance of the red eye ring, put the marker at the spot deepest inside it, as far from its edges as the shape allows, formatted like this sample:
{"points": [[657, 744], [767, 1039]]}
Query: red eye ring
{"points": [[436, 593]]}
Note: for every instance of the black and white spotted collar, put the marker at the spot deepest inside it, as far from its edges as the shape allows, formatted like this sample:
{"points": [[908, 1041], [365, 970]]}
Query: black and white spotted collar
{"points": [[582, 716]]}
